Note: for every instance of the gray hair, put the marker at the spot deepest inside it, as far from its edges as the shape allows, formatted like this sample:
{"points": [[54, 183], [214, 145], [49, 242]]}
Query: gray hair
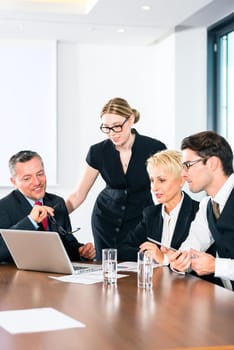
{"points": [[22, 157]]}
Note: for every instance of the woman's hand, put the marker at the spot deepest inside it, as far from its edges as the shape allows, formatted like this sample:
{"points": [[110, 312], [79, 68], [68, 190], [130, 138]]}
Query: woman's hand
{"points": [[157, 255]]}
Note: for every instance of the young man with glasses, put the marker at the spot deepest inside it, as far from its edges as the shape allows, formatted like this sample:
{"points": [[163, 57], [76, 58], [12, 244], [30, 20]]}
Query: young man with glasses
{"points": [[120, 160], [30, 207], [208, 166]]}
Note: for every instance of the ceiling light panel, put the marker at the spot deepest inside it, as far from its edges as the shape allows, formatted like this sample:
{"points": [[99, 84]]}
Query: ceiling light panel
{"points": [[80, 7]]}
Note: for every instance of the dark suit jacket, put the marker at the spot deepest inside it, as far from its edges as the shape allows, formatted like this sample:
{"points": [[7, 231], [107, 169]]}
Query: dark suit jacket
{"points": [[151, 225], [14, 211], [223, 231]]}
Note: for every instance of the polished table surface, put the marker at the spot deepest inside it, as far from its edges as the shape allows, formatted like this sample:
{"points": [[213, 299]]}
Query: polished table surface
{"points": [[179, 313]]}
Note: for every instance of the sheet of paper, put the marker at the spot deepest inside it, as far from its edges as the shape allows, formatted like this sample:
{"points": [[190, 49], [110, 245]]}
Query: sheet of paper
{"points": [[127, 266], [131, 266], [84, 278], [36, 320]]}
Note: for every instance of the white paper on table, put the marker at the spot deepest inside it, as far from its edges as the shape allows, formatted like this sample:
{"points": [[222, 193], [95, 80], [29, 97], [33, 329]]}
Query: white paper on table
{"points": [[127, 266], [84, 278], [131, 266], [36, 320]]}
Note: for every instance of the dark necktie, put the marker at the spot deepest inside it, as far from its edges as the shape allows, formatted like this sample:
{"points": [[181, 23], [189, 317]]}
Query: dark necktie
{"points": [[216, 210], [44, 221]]}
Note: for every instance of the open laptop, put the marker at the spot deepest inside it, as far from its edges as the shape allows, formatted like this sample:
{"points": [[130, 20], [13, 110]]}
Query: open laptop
{"points": [[42, 251]]}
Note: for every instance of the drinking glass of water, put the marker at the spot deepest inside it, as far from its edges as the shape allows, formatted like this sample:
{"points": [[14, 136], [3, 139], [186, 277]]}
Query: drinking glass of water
{"points": [[144, 269], [109, 265]]}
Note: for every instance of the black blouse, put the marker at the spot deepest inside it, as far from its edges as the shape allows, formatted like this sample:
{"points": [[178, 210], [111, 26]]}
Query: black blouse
{"points": [[127, 193]]}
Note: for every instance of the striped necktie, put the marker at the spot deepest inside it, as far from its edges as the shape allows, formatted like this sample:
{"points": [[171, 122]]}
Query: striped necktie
{"points": [[44, 221], [215, 207]]}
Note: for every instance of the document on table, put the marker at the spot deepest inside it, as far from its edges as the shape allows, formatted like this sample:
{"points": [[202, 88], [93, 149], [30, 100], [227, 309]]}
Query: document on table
{"points": [[36, 320], [131, 266], [84, 278], [127, 266]]}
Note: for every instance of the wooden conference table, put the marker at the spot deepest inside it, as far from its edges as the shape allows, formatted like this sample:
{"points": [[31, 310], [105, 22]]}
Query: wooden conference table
{"points": [[179, 313]]}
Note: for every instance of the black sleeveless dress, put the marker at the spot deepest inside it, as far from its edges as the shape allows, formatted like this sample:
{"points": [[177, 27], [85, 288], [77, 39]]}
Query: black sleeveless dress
{"points": [[118, 208]]}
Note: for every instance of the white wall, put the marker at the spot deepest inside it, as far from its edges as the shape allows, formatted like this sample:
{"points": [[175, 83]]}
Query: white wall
{"points": [[165, 82], [22, 87], [191, 82], [165, 89]]}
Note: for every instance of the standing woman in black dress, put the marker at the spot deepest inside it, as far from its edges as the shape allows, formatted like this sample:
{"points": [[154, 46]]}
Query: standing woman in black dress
{"points": [[121, 161]]}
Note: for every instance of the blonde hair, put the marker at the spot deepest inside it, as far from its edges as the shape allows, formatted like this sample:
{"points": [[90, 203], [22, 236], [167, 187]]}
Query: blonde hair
{"points": [[121, 107], [170, 160]]}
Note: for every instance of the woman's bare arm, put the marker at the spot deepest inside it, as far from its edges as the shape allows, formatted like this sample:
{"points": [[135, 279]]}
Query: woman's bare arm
{"points": [[78, 196]]}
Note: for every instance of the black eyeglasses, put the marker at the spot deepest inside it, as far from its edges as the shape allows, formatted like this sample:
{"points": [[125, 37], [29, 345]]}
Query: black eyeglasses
{"points": [[188, 164], [115, 128], [59, 228]]}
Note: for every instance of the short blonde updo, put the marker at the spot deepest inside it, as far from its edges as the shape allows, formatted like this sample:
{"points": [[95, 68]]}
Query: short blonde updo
{"points": [[121, 107], [168, 160]]}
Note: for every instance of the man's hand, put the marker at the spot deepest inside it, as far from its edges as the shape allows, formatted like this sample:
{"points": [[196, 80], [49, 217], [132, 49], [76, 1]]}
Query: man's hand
{"points": [[40, 212], [202, 263], [87, 251]]}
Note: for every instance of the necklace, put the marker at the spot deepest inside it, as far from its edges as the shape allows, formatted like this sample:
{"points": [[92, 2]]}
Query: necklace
{"points": [[126, 153], [125, 164]]}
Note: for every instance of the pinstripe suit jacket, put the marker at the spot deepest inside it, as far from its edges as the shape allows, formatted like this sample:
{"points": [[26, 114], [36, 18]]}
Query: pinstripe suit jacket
{"points": [[14, 211]]}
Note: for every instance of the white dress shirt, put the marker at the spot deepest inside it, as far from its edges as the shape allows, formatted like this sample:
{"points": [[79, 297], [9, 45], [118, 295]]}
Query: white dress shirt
{"points": [[32, 202], [200, 237], [169, 223]]}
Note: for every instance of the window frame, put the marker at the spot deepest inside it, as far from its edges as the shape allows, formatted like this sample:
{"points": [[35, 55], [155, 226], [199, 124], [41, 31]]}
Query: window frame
{"points": [[215, 32]]}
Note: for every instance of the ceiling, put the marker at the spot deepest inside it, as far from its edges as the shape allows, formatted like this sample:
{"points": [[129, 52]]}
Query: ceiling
{"points": [[115, 22]]}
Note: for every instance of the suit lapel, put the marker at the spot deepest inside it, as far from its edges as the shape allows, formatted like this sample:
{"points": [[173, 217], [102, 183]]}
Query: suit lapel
{"points": [[183, 221], [24, 205], [156, 223]]}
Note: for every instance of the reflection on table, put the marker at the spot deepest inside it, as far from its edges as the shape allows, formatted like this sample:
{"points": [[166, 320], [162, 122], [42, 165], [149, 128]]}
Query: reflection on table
{"points": [[179, 312]]}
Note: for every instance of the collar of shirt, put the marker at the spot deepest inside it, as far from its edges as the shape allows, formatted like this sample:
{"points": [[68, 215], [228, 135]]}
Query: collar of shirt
{"points": [[175, 211], [32, 202], [169, 223], [222, 195]]}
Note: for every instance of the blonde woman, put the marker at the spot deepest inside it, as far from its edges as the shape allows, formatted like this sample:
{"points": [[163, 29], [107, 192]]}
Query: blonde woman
{"points": [[169, 220], [120, 160]]}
